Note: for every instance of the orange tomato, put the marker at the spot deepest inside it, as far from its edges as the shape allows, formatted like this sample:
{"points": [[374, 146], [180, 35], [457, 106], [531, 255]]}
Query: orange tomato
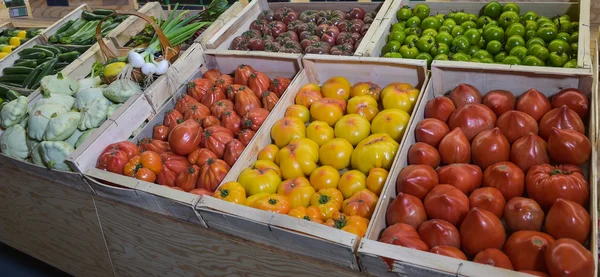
{"points": [[268, 153], [308, 94], [262, 176], [350, 223], [311, 213], [366, 88], [336, 153], [251, 199], [232, 192], [328, 110], [144, 167], [298, 111], [354, 128], [145, 174], [298, 159], [287, 129], [392, 122], [376, 180], [324, 177], [351, 182], [327, 201], [364, 105], [361, 203], [401, 96], [319, 132], [274, 203], [337, 88], [297, 190]]}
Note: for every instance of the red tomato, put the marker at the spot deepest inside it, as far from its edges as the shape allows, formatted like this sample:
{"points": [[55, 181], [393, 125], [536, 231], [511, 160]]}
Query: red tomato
{"points": [[220, 107], [233, 150], [489, 147], [210, 121], [244, 101], [185, 103], [439, 108], [516, 124], [279, 85], [246, 136], [494, 257], [560, 118], [212, 75], [472, 119], [572, 98], [173, 165], [212, 173], [448, 251], [523, 214], [196, 112], [215, 138], [481, 230], [448, 203], [528, 151], [403, 235], [199, 87], [186, 180], [569, 146], [533, 103], [160, 132], [201, 192], [465, 94], [455, 148], [489, 199], [546, 183], [214, 95], [567, 257], [406, 209], [436, 232], [254, 119], [416, 180], [259, 83], [158, 146], [242, 74], [526, 250], [232, 122], [431, 131], [128, 147], [506, 177], [465, 177], [425, 154], [185, 137], [113, 160], [200, 156], [567, 219], [500, 101], [172, 118]]}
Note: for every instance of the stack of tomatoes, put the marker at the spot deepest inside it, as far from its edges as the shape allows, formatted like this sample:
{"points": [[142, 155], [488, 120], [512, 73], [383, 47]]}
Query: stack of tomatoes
{"points": [[204, 135], [330, 155], [497, 180]]}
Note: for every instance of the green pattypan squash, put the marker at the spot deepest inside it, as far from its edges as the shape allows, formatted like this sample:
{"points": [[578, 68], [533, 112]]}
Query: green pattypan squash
{"points": [[93, 114], [36, 155], [72, 140], [62, 126], [54, 154], [85, 96], [13, 112], [39, 118], [13, 142], [24, 122], [59, 84], [62, 99], [111, 109], [120, 90], [84, 136], [93, 82], [32, 143]]}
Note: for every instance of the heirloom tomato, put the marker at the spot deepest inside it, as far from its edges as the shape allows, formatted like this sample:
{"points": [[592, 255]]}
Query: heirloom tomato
{"points": [[244, 101], [350, 182], [308, 94], [287, 129], [376, 179], [324, 177], [297, 190], [560, 118], [160, 132], [158, 146], [186, 180], [337, 88], [489, 147], [173, 165], [268, 153], [402, 235], [406, 209], [224, 82], [439, 108], [210, 121], [245, 136], [507, 177], [200, 156], [113, 161], [262, 176], [172, 118], [279, 85], [476, 223], [569, 146], [311, 213], [254, 119], [215, 138], [528, 151], [328, 201], [250, 200], [523, 214], [319, 132], [269, 99], [534, 103], [212, 74], [465, 177], [350, 223], [215, 94], [144, 167], [336, 153], [392, 122], [328, 110], [212, 173], [526, 250], [199, 87], [494, 257], [363, 105], [516, 124], [366, 88], [231, 192], [546, 183], [448, 251], [242, 74], [353, 128], [298, 111], [567, 257], [185, 103], [572, 98], [448, 203], [185, 137], [274, 203], [298, 159], [232, 122], [436, 232], [201, 192], [399, 96], [233, 151], [431, 131], [454, 147], [416, 180], [472, 119], [567, 219], [489, 199], [376, 151], [423, 153], [126, 147], [259, 83], [362, 203]]}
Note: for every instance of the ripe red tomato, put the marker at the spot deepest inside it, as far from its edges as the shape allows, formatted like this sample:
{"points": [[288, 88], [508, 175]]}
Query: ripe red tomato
{"points": [[431, 131], [185, 103], [403, 235], [506, 177], [448, 203], [481, 230], [154, 145], [523, 214], [572, 98], [526, 250], [489, 147], [494, 257], [416, 180], [465, 177], [185, 137], [472, 119], [448, 251], [436, 232], [528, 151], [561, 118], [465, 94], [215, 138], [500, 101], [489, 199], [533, 103], [423, 153], [569, 146], [160, 132], [567, 219], [567, 257], [113, 160], [128, 147], [439, 108], [406, 209], [455, 148], [516, 124], [546, 183]]}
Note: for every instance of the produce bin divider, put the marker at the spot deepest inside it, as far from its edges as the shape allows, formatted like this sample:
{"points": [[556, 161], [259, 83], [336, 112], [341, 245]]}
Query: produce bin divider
{"points": [[282, 231], [579, 10], [73, 15], [241, 23], [446, 75]]}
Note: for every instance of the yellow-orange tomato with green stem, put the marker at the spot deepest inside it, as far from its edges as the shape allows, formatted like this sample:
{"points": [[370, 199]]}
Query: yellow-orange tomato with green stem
{"points": [[351, 182], [287, 129], [376, 180], [328, 110], [366, 88], [298, 111], [336, 153], [274, 203], [353, 128], [268, 153], [298, 191], [392, 122], [364, 105], [328, 201], [376, 151], [231, 192], [311, 213], [262, 176], [361, 203], [298, 159], [319, 132], [336, 87], [324, 177], [308, 94]]}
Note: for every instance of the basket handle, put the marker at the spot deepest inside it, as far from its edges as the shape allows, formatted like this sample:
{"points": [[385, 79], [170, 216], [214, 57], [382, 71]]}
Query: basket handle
{"points": [[168, 50]]}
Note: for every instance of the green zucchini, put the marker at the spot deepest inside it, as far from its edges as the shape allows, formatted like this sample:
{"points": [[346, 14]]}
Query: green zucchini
{"points": [[28, 83], [46, 52], [27, 63], [79, 48], [35, 56], [16, 79], [8, 94], [68, 57], [16, 70], [50, 48], [62, 49], [103, 11], [91, 16], [65, 27], [48, 67]]}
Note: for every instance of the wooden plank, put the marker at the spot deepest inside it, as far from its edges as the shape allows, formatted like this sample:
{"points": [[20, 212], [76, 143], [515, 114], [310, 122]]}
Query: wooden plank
{"points": [[133, 25], [146, 244], [6, 25], [445, 76]]}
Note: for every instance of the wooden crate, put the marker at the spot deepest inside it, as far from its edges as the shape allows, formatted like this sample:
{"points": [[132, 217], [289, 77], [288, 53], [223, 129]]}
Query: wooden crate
{"points": [[240, 24], [73, 15], [445, 76], [6, 25], [576, 10], [285, 232], [151, 196], [10, 59]]}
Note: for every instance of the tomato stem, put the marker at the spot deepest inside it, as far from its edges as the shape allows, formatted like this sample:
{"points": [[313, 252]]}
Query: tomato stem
{"points": [[272, 201], [323, 199], [555, 172], [224, 193]]}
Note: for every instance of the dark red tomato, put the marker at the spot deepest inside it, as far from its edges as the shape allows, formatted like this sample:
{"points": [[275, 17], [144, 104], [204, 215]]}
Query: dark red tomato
{"points": [[465, 177], [567, 257], [455, 148], [561, 118], [534, 103], [185, 137], [160, 132], [128, 147], [546, 183], [113, 160], [472, 119], [465, 94], [500, 101], [481, 230], [526, 250], [448, 251], [574, 99], [567, 219], [528, 151], [439, 108], [569, 146], [431, 131], [423, 153], [489, 147], [494, 257], [402, 235], [406, 209], [523, 214], [416, 180], [516, 124], [436, 232], [448, 203], [508, 178], [489, 199]]}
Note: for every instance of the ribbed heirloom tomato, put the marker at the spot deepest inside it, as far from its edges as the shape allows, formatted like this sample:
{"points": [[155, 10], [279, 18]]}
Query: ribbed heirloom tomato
{"points": [[311, 213], [350, 223], [144, 167], [297, 190], [361, 203], [298, 159], [376, 151], [273, 203], [261, 177], [231, 192], [328, 201], [336, 153]]}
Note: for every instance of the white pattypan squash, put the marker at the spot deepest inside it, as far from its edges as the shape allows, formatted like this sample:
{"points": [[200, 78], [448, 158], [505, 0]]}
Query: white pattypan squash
{"points": [[72, 140], [85, 96], [61, 99], [54, 154], [39, 118], [84, 136], [62, 126], [93, 114], [120, 90], [13, 142], [36, 155], [111, 109], [13, 112], [59, 84]]}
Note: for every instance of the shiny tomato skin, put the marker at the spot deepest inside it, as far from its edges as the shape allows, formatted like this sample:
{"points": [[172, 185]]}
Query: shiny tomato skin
{"points": [[406, 209], [185, 137], [416, 180], [476, 223], [448, 251], [526, 250], [494, 257], [567, 257], [567, 219], [523, 214], [436, 232], [546, 183]]}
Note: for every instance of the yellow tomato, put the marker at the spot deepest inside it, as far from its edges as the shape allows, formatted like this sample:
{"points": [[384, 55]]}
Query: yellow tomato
{"points": [[308, 94], [364, 105], [262, 176], [351, 182], [319, 132], [392, 122], [324, 177], [268, 153], [287, 129], [328, 110], [352, 127], [336, 153], [298, 159], [366, 88], [376, 180], [298, 111], [336, 87], [231, 192], [398, 96], [328, 201], [311, 213], [298, 191], [377, 150], [274, 203], [251, 199]]}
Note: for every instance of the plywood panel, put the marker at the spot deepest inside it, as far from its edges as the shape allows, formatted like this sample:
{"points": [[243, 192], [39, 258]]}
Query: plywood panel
{"points": [[142, 243]]}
